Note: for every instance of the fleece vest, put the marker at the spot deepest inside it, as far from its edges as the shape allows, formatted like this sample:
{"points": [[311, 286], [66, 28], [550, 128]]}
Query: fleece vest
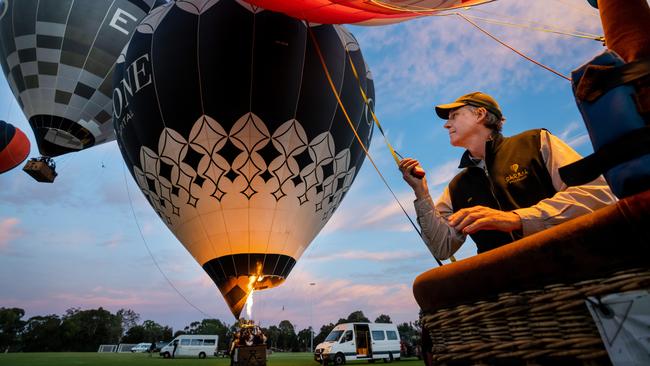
{"points": [[515, 177]]}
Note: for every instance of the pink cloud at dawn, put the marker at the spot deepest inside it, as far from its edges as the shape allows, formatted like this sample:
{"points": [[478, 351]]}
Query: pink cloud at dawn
{"points": [[9, 231]]}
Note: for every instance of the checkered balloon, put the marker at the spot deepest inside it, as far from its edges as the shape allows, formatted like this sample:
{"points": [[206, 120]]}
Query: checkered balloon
{"points": [[58, 57], [225, 117]]}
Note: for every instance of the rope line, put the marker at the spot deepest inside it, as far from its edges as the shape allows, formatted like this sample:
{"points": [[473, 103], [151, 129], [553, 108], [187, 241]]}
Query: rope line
{"points": [[544, 28], [356, 134], [396, 155], [512, 48], [155, 262]]}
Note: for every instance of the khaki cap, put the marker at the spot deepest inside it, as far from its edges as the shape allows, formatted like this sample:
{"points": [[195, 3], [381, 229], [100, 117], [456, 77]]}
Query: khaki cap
{"points": [[476, 99]]}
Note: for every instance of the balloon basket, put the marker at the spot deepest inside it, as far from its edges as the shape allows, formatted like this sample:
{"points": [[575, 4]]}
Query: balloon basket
{"points": [[540, 300], [41, 169], [250, 356]]}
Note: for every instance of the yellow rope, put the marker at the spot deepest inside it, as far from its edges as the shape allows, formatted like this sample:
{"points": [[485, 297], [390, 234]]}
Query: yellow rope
{"points": [[354, 130]]}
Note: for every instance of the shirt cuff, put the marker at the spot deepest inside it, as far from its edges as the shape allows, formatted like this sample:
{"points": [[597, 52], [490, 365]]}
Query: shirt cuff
{"points": [[530, 220]]}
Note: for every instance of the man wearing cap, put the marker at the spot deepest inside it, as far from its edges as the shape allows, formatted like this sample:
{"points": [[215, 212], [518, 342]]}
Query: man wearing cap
{"points": [[509, 186]]}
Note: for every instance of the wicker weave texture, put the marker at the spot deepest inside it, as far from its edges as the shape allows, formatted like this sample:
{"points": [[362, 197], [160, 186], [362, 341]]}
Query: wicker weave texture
{"points": [[542, 326]]}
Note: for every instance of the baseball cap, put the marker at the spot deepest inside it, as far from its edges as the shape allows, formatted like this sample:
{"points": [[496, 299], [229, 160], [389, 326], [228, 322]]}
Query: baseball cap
{"points": [[476, 99]]}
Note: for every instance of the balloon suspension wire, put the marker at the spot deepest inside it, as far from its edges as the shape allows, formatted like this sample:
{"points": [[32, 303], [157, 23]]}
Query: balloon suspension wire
{"points": [[356, 134], [538, 27], [512, 48], [532, 25], [155, 262]]}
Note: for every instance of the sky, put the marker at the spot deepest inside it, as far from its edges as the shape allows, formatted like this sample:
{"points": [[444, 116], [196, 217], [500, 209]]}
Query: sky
{"points": [[91, 239]]}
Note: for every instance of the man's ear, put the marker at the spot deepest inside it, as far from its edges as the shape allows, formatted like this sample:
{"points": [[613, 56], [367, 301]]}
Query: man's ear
{"points": [[481, 114]]}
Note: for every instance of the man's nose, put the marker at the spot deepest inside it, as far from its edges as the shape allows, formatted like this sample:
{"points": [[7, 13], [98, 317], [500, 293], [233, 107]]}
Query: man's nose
{"points": [[447, 125]]}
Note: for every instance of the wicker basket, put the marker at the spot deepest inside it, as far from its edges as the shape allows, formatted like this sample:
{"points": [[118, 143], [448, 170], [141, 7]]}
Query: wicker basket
{"points": [[547, 326]]}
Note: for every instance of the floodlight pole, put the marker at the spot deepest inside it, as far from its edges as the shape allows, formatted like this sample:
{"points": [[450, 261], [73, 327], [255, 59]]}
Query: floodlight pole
{"points": [[311, 316]]}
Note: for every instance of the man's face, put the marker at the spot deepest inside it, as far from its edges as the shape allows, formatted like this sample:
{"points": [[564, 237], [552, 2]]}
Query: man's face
{"points": [[462, 125]]}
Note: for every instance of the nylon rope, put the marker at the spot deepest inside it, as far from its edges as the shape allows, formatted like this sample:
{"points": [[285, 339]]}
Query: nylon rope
{"points": [[426, 11], [137, 223], [544, 28], [356, 134], [512, 48], [393, 152]]}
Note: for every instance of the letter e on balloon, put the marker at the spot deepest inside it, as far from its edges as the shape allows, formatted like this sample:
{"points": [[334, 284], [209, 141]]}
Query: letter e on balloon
{"points": [[121, 16]]}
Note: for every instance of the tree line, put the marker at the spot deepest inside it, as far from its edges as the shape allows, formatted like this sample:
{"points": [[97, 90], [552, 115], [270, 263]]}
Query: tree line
{"points": [[84, 330]]}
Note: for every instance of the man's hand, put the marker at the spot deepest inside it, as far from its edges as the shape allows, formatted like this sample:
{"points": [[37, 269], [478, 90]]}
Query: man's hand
{"points": [[473, 219], [419, 185]]}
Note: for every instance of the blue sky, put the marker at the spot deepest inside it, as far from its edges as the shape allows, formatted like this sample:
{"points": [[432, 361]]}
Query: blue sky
{"points": [[82, 241]]}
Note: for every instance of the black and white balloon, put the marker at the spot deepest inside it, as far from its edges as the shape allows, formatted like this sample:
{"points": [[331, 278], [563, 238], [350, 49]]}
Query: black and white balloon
{"points": [[225, 117], [58, 57]]}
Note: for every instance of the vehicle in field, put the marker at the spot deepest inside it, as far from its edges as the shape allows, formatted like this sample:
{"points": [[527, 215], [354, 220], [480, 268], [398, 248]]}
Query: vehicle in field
{"points": [[191, 345], [359, 341]]}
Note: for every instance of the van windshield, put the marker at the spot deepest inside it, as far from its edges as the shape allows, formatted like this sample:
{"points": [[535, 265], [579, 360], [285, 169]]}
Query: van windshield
{"points": [[334, 336]]}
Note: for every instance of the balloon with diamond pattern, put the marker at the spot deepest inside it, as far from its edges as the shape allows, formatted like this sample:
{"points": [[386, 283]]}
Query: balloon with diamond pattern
{"points": [[225, 118]]}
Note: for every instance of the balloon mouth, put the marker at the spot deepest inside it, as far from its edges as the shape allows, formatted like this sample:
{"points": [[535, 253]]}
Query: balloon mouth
{"points": [[238, 275], [236, 290], [57, 135]]}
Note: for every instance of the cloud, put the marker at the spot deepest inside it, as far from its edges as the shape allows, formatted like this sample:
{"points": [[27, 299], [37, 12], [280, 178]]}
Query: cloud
{"points": [[330, 299], [574, 135], [443, 173], [437, 57], [9, 231], [361, 214], [388, 256]]}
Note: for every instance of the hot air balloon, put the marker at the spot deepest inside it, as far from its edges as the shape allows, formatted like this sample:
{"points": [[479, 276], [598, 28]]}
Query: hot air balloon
{"points": [[14, 146], [58, 57], [361, 12], [226, 120]]}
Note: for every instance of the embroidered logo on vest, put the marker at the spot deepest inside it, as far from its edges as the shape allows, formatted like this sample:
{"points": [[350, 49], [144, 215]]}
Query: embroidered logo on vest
{"points": [[518, 174]]}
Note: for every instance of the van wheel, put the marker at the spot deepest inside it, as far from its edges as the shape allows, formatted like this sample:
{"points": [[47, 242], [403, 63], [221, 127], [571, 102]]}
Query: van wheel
{"points": [[166, 355], [339, 359], [202, 355]]}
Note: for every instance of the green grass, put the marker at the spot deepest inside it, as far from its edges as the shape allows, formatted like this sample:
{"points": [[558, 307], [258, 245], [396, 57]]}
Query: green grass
{"points": [[140, 359]]}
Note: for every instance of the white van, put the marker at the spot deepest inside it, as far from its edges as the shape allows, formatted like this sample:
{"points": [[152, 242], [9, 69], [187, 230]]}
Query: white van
{"points": [[359, 341], [191, 345]]}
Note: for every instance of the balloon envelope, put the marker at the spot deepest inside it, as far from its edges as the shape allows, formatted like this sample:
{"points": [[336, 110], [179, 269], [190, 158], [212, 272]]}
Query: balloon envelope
{"points": [[58, 57], [227, 122], [14, 146], [361, 12]]}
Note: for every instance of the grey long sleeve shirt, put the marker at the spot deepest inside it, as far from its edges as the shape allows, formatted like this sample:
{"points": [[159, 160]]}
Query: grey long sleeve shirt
{"points": [[569, 202]]}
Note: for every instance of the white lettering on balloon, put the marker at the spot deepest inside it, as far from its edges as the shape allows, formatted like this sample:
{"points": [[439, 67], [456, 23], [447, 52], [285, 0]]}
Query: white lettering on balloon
{"points": [[122, 17], [137, 76]]}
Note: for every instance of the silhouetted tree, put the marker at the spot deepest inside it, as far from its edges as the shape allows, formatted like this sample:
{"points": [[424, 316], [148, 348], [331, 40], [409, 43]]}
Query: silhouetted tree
{"points": [[42, 334], [383, 318], [357, 317], [211, 326], [85, 330], [304, 340], [10, 327], [128, 318]]}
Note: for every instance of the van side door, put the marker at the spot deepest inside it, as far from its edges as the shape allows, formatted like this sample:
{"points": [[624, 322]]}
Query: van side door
{"points": [[346, 345], [379, 349], [183, 347]]}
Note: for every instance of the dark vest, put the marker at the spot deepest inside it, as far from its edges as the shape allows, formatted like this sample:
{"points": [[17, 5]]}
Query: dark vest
{"points": [[516, 178]]}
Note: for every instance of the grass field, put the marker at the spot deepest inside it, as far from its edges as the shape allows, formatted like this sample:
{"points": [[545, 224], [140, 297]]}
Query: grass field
{"points": [[141, 359]]}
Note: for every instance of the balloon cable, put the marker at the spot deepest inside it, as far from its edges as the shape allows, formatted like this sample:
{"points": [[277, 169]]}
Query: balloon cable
{"points": [[356, 134], [155, 262], [540, 28], [512, 48]]}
